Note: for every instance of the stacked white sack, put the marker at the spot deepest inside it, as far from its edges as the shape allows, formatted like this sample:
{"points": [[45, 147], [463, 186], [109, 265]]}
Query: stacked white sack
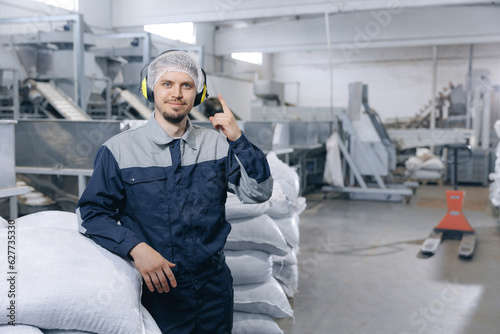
{"points": [[495, 177], [424, 166], [66, 283], [285, 207], [254, 238]]}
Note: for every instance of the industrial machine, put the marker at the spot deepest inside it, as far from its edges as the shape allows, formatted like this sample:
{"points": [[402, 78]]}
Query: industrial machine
{"points": [[368, 154], [8, 187], [307, 128], [53, 82], [461, 116]]}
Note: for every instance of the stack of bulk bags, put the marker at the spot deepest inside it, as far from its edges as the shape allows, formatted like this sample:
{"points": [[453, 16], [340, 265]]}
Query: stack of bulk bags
{"points": [[253, 240], [285, 206], [495, 177], [66, 283], [424, 166]]}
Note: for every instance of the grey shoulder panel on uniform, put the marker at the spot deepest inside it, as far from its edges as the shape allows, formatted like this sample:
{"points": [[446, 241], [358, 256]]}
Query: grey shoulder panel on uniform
{"points": [[210, 145], [250, 191], [134, 148]]}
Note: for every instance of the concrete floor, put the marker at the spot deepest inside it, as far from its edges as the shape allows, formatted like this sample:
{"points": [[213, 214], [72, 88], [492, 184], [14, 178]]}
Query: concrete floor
{"points": [[359, 271]]}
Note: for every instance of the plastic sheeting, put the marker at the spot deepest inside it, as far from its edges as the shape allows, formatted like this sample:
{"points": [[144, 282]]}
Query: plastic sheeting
{"points": [[333, 168]]}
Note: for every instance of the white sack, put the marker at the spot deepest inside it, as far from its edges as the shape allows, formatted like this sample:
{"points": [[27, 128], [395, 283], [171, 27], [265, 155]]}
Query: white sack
{"points": [[433, 163], [44, 219], [258, 233], [264, 298], [413, 163], [496, 126], [333, 168], [66, 281], [63, 331], [495, 190], [279, 205], [424, 154], [149, 324], [288, 277], [287, 176], [300, 205], [249, 266], [19, 329], [423, 174], [252, 323], [236, 209], [290, 229], [289, 258]]}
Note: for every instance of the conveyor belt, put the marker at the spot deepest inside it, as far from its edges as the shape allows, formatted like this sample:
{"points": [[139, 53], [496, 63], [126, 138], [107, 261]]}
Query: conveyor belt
{"points": [[60, 102], [134, 101]]}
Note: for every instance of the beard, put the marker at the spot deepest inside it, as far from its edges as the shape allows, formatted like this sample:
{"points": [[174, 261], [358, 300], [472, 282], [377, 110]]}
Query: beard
{"points": [[175, 118], [172, 116]]}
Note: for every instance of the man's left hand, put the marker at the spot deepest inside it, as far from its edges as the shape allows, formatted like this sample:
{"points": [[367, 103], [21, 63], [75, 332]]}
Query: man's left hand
{"points": [[226, 122]]}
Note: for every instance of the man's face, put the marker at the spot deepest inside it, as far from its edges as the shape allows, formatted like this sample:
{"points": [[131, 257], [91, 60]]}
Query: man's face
{"points": [[174, 94]]}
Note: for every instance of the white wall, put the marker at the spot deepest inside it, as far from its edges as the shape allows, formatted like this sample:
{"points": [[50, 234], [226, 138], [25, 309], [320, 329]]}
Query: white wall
{"points": [[399, 80]]}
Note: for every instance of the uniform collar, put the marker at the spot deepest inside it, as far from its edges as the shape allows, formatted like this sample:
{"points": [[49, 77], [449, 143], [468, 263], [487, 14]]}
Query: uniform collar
{"points": [[160, 137]]}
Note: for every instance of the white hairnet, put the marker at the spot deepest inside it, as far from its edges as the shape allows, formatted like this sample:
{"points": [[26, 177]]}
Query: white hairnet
{"points": [[175, 61]]}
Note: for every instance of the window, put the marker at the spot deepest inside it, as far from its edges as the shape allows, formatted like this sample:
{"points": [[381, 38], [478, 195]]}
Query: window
{"points": [[249, 57], [183, 32]]}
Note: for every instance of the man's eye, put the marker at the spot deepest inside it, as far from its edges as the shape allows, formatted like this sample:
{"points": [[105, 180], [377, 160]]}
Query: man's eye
{"points": [[167, 84], [187, 86]]}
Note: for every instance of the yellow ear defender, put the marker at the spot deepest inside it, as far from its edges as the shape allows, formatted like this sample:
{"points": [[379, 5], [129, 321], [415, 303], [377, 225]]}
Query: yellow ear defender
{"points": [[149, 95]]}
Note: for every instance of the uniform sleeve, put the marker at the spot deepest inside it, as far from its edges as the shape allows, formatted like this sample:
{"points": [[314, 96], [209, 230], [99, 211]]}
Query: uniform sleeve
{"points": [[249, 174], [98, 207]]}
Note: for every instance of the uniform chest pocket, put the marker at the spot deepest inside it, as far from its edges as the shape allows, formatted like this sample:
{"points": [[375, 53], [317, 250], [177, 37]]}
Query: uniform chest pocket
{"points": [[212, 186], [145, 188]]}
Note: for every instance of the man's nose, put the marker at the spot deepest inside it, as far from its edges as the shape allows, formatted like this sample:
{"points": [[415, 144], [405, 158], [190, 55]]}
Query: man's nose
{"points": [[177, 91]]}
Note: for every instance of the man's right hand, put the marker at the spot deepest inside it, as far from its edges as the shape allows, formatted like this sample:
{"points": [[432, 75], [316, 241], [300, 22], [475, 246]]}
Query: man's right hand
{"points": [[154, 268]]}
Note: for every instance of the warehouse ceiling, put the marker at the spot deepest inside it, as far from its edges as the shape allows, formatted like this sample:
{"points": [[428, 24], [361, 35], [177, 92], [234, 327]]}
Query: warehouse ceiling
{"points": [[297, 25], [131, 12]]}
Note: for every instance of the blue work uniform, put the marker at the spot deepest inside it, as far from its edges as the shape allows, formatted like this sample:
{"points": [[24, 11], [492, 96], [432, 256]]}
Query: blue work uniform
{"points": [[170, 193]]}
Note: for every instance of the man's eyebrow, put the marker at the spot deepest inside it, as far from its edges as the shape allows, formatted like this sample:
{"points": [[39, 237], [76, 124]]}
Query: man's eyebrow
{"points": [[190, 82]]}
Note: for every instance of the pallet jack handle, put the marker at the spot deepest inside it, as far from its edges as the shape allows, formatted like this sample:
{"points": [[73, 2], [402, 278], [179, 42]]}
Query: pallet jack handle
{"points": [[455, 161]]}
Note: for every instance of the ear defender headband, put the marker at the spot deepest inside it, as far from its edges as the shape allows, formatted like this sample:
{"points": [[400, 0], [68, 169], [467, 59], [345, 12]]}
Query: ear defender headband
{"points": [[149, 94]]}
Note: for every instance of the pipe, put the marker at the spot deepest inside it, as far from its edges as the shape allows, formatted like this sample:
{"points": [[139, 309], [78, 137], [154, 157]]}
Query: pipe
{"points": [[469, 90], [434, 87], [330, 63], [79, 61]]}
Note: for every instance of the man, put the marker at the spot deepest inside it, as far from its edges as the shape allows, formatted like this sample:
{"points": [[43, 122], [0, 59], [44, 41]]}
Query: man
{"points": [[157, 195]]}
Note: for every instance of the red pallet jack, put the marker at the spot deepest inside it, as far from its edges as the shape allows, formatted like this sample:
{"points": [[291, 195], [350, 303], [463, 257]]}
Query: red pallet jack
{"points": [[454, 225]]}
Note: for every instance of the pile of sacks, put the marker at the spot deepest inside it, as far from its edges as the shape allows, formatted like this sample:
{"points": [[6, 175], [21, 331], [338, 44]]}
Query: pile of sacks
{"points": [[64, 283], [78, 291], [495, 177], [424, 166], [261, 252]]}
